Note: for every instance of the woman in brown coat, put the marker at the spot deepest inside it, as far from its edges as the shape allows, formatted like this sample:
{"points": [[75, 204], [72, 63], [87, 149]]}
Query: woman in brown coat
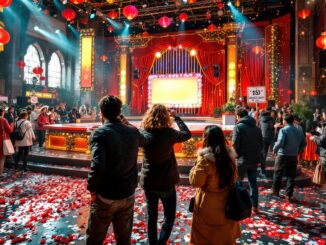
{"points": [[213, 175]]}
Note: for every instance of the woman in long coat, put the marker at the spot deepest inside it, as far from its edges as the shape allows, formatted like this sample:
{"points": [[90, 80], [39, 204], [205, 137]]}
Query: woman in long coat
{"points": [[5, 131], [214, 174]]}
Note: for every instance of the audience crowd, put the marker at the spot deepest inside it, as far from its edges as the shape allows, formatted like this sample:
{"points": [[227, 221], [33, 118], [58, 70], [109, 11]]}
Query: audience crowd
{"points": [[219, 167]]}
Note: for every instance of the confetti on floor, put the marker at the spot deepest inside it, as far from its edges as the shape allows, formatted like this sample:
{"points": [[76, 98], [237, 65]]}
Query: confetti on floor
{"points": [[50, 209]]}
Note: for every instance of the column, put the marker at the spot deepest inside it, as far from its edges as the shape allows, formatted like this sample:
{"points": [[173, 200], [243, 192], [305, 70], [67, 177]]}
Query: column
{"points": [[273, 59], [231, 30], [124, 80]]}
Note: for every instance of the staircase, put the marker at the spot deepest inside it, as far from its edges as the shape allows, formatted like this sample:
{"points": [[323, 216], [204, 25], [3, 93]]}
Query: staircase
{"points": [[77, 164]]}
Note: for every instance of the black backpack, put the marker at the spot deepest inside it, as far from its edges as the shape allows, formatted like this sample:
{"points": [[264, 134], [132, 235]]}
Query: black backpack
{"points": [[18, 134], [238, 205]]}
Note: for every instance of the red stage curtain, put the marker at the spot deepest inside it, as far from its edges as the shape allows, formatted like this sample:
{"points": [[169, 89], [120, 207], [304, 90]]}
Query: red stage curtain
{"points": [[143, 62], [209, 54], [253, 68], [213, 93]]}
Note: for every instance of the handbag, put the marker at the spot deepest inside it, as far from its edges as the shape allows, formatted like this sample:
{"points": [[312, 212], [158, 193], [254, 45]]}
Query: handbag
{"points": [[191, 204], [319, 177], [238, 205], [8, 148]]}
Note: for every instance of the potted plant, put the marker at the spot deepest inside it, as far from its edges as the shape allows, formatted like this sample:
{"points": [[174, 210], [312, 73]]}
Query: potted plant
{"points": [[228, 116], [217, 112]]}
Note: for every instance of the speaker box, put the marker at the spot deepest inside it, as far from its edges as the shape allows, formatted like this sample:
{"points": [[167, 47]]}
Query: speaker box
{"points": [[216, 70], [136, 73]]}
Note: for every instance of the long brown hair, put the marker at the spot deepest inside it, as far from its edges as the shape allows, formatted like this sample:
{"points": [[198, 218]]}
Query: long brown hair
{"points": [[156, 117], [213, 137]]}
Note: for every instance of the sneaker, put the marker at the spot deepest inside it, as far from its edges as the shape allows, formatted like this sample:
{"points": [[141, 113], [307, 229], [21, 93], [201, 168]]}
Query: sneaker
{"points": [[273, 193]]}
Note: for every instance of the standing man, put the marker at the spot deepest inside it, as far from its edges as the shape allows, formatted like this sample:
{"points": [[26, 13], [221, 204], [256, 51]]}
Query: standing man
{"points": [[321, 140], [247, 142], [10, 115], [290, 142], [113, 176], [266, 123]]}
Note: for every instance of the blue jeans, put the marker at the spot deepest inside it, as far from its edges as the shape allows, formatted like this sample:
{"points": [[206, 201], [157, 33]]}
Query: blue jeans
{"points": [[251, 172], [169, 201]]}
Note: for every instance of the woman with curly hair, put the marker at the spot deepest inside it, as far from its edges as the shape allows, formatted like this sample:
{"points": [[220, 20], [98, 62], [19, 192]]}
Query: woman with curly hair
{"points": [[159, 173], [214, 174]]}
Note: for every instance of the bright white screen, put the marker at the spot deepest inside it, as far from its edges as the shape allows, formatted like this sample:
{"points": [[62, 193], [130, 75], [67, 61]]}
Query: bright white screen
{"points": [[177, 91]]}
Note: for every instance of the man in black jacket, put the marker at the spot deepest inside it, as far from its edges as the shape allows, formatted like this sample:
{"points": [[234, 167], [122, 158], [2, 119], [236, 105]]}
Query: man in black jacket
{"points": [[113, 176], [248, 142], [266, 123], [321, 141]]}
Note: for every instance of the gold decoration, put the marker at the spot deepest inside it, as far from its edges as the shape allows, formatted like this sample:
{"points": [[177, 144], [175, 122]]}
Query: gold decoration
{"points": [[189, 148], [274, 58], [133, 41], [213, 36], [70, 138]]}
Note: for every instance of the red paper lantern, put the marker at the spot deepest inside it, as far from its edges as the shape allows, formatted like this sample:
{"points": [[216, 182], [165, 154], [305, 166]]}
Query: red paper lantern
{"points": [[212, 27], [257, 49], [4, 36], [38, 70], [113, 15], [304, 13], [313, 93], [110, 29], [5, 3], [21, 64], [183, 17], [289, 92], [321, 41], [220, 5], [69, 14], [77, 1], [84, 21], [104, 57], [42, 78], [145, 34], [46, 11], [164, 21], [192, 1], [208, 15], [130, 12]]}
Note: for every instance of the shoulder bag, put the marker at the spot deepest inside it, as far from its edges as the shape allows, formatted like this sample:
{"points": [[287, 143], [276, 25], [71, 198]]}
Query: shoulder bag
{"points": [[8, 148]]}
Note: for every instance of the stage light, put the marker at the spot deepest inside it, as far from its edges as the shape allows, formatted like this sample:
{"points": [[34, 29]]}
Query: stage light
{"points": [[185, 1], [193, 52], [158, 55], [229, 3], [57, 31], [93, 14], [127, 25], [36, 28], [180, 46]]}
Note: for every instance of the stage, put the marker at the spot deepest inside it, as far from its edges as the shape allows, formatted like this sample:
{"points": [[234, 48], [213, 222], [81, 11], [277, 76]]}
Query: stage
{"points": [[75, 137]]}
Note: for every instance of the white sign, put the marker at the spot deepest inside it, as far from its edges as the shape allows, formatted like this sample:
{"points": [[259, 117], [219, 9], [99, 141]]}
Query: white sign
{"points": [[34, 100], [256, 94]]}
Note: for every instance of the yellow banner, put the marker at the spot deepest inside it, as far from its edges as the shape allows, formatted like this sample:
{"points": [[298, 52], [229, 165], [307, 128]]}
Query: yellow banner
{"points": [[40, 95], [86, 81]]}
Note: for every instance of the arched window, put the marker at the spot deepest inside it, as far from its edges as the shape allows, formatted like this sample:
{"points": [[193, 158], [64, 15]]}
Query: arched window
{"points": [[55, 71], [32, 60]]}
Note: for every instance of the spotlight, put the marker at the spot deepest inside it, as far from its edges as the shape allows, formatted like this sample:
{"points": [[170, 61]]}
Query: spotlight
{"points": [[229, 3], [193, 52], [57, 31], [93, 14], [36, 28], [158, 54], [185, 1]]}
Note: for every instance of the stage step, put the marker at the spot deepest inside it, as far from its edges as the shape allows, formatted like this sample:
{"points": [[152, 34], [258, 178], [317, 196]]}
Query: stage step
{"points": [[302, 179]]}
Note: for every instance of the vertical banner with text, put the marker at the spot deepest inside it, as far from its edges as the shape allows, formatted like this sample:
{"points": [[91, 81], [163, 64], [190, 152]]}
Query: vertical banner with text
{"points": [[87, 59]]}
